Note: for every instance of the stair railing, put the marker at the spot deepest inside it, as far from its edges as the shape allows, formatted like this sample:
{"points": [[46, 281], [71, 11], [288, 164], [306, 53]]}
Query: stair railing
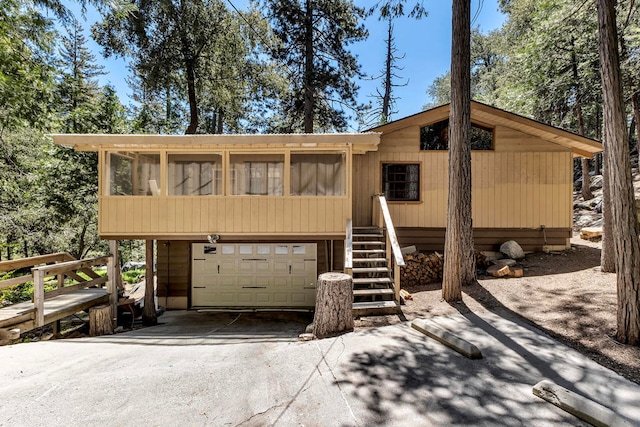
{"points": [[348, 249], [382, 218]]}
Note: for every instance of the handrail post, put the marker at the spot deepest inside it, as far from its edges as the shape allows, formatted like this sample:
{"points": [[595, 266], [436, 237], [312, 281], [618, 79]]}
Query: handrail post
{"points": [[348, 249], [38, 296]]}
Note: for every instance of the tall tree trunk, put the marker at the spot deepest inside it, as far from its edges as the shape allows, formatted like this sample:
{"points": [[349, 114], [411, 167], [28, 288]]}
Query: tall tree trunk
{"points": [[586, 183], [635, 102], [220, 121], [308, 69], [459, 260], [193, 103], [608, 253], [149, 316], [386, 97], [623, 212]]}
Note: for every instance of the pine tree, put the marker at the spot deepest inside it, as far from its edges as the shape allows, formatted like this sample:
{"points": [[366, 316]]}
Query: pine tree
{"points": [[79, 88], [314, 37], [389, 11]]}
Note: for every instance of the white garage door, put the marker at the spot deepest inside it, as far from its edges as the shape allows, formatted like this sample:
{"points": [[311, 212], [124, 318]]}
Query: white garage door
{"points": [[253, 275]]}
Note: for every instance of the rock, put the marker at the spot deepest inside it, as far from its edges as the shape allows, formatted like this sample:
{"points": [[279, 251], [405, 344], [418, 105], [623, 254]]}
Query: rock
{"points": [[492, 256], [512, 249], [598, 207], [582, 205], [505, 261], [498, 270], [595, 182], [408, 250]]}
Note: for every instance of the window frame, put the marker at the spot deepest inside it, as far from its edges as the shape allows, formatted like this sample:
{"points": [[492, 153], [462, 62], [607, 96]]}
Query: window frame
{"points": [[419, 181]]}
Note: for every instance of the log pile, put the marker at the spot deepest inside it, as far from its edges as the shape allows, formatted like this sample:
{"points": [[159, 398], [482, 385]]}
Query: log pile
{"points": [[421, 269]]}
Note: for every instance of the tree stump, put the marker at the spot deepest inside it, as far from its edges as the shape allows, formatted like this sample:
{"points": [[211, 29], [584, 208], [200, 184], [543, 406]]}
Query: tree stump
{"points": [[334, 305], [100, 321]]}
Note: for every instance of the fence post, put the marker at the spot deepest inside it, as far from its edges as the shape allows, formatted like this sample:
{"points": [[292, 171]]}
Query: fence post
{"points": [[38, 295]]}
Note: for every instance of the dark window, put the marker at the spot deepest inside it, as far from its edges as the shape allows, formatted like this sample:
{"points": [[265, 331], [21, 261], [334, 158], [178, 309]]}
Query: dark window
{"points": [[401, 181], [436, 137]]}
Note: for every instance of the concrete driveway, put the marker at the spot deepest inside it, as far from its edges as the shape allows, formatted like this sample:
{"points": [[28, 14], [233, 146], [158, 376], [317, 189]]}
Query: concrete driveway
{"points": [[207, 369]]}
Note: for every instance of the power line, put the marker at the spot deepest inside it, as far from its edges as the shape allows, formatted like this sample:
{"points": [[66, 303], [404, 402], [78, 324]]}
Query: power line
{"points": [[478, 10]]}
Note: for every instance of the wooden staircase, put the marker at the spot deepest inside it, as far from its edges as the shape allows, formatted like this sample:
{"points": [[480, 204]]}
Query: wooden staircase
{"points": [[373, 285]]}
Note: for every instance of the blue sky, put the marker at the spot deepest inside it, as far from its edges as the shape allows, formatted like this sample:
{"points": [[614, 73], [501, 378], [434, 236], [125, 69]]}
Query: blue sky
{"points": [[426, 45]]}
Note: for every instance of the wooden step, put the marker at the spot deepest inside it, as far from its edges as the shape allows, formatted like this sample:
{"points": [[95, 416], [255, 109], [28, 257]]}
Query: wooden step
{"points": [[367, 251], [364, 260], [367, 228], [367, 243], [372, 292], [371, 270], [375, 308], [371, 280], [367, 236]]}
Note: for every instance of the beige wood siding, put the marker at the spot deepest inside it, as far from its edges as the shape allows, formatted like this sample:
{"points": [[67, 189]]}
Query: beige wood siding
{"points": [[230, 215], [510, 189], [508, 139]]}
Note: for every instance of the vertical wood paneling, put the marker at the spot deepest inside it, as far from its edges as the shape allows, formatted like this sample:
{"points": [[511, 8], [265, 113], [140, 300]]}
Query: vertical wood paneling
{"points": [[516, 189], [237, 215], [510, 189], [171, 215], [246, 214]]}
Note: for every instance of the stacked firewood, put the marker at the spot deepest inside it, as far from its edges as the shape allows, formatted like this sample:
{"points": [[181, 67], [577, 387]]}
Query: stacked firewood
{"points": [[421, 269]]}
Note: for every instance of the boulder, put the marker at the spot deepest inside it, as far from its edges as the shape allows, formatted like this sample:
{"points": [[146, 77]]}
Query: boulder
{"points": [[595, 182], [512, 249]]}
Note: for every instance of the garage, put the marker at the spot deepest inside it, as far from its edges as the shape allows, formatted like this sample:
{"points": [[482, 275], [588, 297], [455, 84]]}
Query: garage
{"points": [[253, 275]]}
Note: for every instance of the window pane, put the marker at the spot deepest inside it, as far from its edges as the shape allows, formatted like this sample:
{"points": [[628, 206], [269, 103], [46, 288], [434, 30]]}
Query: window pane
{"points": [[252, 174], [401, 182], [318, 174], [436, 137], [195, 174], [120, 174], [135, 174]]}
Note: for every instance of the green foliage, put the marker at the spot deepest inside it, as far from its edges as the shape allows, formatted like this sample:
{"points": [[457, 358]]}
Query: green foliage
{"points": [[314, 38], [48, 194], [196, 65], [132, 276], [26, 66], [22, 292]]}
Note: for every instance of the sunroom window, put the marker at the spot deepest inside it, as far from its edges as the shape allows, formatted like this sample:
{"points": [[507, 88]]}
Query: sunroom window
{"points": [[136, 174], [318, 174], [256, 174], [194, 174]]}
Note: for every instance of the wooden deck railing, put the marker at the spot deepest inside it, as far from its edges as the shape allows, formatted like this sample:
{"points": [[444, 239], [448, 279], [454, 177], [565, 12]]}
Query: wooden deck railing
{"points": [[71, 274], [382, 218]]}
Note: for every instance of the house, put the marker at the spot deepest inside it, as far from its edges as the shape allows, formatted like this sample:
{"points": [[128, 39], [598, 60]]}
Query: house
{"points": [[248, 221]]}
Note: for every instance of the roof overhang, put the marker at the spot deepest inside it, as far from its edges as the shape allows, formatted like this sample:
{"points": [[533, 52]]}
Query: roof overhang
{"points": [[360, 142], [487, 115]]}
